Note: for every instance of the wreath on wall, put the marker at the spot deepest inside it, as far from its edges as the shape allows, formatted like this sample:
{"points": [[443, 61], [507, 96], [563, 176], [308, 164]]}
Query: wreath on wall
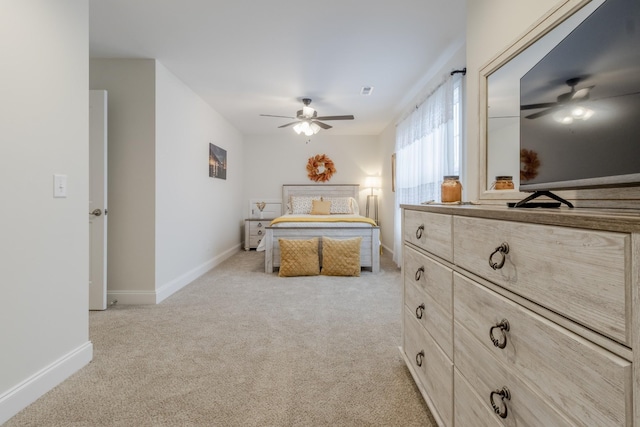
{"points": [[529, 164], [320, 168]]}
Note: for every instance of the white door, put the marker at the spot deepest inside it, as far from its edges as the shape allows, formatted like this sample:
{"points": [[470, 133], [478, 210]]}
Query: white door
{"points": [[97, 200]]}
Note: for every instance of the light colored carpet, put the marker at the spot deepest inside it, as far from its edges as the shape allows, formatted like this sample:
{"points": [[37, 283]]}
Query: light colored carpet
{"points": [[239, 347]]}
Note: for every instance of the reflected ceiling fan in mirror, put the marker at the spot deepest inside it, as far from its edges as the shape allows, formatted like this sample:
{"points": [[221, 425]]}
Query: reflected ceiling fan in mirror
{"points": [[308, 121], [564, 100]]}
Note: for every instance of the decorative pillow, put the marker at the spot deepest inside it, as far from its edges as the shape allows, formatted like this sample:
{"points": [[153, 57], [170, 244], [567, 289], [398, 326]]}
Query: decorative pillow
{"points": [[302, 204], [320, 207], [340, 205], [299, 257], [341, 257]]}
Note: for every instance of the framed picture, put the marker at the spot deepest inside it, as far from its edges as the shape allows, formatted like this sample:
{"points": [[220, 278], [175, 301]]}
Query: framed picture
{"points": [[217, 162]]}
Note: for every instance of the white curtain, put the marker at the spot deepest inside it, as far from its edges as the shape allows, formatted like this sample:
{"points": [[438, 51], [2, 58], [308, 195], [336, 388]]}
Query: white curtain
{"points": [[428, 144]]}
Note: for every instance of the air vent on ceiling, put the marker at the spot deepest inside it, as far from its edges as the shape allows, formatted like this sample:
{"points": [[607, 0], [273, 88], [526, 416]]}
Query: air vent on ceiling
{"points": [[366, 90]]}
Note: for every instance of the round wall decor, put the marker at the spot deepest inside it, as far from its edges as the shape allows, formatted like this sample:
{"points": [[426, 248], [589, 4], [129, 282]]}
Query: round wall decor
{"points": [[320, 168], [529, 164]]}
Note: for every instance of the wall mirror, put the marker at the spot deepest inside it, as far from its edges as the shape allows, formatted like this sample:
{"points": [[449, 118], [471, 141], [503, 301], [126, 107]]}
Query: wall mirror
{"points": [[500, 89]]}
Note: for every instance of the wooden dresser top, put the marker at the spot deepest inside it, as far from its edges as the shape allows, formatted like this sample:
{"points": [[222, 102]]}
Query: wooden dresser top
{"points": [[622, 220]]}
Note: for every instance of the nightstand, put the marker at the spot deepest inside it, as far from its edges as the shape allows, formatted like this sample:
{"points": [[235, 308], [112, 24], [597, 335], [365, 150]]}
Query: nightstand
{"points": [[254, 231]]}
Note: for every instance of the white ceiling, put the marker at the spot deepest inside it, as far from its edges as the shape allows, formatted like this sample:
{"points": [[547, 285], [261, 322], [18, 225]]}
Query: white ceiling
{"points": [[252, 57]]}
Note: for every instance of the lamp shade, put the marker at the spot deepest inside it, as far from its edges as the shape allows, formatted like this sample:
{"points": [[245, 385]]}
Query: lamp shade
{"points": [[373, 182]]}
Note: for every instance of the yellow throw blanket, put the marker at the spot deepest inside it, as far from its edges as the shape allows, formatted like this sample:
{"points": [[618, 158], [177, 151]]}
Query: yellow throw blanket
{"points": [[323, 218]]}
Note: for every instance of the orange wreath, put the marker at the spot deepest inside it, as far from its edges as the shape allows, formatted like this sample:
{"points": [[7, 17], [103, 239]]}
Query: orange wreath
{"points": [[320, 168], [529, 164]]}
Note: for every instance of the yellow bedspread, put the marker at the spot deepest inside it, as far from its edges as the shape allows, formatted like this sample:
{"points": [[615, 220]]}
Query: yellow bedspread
{"points": [[322, 218]]}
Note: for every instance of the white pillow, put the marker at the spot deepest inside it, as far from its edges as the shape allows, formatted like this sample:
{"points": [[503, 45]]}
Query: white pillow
{"points": [[355, 208], [302, 204], [339, 205]]}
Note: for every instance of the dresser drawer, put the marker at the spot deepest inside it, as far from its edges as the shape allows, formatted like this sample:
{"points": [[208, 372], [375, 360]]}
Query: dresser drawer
{"points": [[429, 231], [256, 228], [487, 376], [577, 273], [254, 241], [553, 362], [470, 410], [433, 367], [429, 296]]}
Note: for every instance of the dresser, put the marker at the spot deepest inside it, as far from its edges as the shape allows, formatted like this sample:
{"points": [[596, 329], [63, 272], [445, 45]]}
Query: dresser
{"points": [[254, 232], [522, 316]]}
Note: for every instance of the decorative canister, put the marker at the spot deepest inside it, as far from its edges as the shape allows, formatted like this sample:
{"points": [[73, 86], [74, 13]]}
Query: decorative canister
{"points": [[504, 183], [451, 189]]}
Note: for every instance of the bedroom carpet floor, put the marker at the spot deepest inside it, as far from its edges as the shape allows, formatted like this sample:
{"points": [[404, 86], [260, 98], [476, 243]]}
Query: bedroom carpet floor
{"points": [[238, 347]]}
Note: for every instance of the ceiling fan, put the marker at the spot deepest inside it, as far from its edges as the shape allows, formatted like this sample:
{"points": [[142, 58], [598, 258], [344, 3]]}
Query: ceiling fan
{"points": [[308, 121], [563, 100]]}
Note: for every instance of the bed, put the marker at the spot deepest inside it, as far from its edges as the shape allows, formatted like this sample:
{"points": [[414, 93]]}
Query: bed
{"points": [[336, 226]]}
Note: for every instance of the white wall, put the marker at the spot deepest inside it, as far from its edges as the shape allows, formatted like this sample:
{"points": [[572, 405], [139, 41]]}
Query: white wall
{"points": [[169, 222], [273, 160], [387, 141], [44, 260], [130, 84], [198, 218]]}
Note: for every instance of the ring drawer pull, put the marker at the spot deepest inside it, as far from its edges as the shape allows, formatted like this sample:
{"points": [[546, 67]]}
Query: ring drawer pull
{"points": [[419, 358], [504, 327], [504, 394], [259, 224], [419, 311], [419, 232], [259, 232], [418, 274], [504, 250]]}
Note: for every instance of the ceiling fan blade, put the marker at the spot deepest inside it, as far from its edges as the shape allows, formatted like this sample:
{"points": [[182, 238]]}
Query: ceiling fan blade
{"points": [[349, 117], [536, 106], [271, 115], [288, 124], [543, 112], [322, 125]]}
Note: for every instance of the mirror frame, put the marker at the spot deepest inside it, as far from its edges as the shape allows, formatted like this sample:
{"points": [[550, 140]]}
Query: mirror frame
{"points": [[554, 17]]}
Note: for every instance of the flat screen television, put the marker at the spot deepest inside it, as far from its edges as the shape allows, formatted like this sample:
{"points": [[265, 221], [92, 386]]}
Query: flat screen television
{"points": [[580, 106]]}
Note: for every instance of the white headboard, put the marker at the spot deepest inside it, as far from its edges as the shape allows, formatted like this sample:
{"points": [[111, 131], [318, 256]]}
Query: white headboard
{"points": [[324, 190]]}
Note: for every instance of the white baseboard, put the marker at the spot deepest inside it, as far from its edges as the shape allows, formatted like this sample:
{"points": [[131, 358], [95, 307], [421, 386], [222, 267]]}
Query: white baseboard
{"points": [[131, 297], [165, 291], [388, 250], [31, 389], [168, 289]]}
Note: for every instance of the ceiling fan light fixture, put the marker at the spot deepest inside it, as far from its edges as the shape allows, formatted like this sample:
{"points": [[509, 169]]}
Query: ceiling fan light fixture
{"points": [[307, 128], [307, 111], [567, 116], [563, 118], [581, 113], [314, 128]]}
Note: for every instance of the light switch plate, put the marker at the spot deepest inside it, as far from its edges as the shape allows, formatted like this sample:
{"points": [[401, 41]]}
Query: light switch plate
{"points": [[59, 185]]}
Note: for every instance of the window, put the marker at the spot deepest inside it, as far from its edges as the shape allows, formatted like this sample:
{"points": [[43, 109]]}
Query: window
{"points": [[428, 147]]}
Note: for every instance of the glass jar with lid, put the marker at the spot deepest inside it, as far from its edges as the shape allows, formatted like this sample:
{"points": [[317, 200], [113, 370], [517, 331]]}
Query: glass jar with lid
{"points": [[504, 182], [451, 189]]}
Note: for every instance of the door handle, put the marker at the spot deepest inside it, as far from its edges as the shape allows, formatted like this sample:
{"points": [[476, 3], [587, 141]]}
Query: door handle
{"points": [[95, 212]]}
